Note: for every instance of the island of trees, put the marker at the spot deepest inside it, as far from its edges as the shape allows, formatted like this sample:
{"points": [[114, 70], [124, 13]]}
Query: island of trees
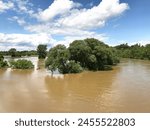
{"points": [[88, 54]]}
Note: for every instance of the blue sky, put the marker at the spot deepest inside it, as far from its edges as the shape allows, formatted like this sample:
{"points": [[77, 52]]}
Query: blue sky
{"points": [[26, 23]]}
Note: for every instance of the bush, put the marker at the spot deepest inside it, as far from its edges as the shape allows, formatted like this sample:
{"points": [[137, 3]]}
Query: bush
{"points": [[1, 57], [21, 64], [3, 64]]}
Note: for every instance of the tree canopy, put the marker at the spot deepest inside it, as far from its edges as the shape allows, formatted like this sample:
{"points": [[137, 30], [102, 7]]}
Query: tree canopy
{"points": [[41, 51], [88, 54]]}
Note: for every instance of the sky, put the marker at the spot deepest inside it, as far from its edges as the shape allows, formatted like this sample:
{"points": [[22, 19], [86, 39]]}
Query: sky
{"points": [[24, 24]]}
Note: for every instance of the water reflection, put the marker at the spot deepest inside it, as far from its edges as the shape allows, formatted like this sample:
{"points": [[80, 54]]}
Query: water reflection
{"points": [[81, 92]]}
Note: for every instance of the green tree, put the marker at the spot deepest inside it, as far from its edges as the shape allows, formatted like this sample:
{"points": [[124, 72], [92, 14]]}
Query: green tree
{"points": [[41, 51], [88, 54], [57, 58], [12, 52], [79, 52], [92, 54]]}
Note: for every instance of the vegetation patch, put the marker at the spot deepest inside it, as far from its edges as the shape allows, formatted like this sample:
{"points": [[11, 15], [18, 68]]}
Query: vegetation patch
{"points": [[136, 51], [41, 51], [89, 54], [21, 64], [3, 63]]}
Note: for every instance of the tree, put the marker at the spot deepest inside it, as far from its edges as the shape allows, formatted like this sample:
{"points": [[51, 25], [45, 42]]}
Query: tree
{"points": [[12, 52], [41, 51], [134, 51], [58, 58], [92, 54], [79, 52], [88, 54]]}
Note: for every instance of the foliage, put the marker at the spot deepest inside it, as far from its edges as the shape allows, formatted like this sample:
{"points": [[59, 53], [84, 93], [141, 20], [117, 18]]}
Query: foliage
{"points": [[13, 52], [88, 54], [41, 51], [79, 52], [20, 53], [147, 51], [71, 67], [1, 57], [21, 64], [3, 63], [57, 58], [92, 54], [134, 51]]}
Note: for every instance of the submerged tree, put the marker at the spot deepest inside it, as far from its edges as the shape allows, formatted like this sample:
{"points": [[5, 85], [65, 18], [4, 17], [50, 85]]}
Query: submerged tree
{"points": [[92, 54], [41, 51], [88, 54], [58, 58]]}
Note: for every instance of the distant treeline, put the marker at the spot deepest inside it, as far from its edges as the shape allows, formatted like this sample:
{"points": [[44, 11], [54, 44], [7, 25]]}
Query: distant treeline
{"points": [[14, 53], [136, 51]]}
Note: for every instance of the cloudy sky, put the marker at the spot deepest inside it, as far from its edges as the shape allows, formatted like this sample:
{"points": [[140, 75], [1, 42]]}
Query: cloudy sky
{"points": [[26, 23]]}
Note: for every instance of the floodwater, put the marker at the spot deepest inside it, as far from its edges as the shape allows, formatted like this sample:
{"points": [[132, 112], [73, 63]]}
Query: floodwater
{"points": [[124, 89]]}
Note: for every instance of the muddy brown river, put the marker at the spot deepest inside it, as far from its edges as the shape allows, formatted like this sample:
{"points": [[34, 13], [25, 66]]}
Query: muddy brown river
{"points": [[124, 89]]}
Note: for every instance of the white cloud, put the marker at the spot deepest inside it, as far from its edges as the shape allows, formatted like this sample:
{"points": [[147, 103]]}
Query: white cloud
{"points": [[94, 17], [20, 21], [24, 7], [74, 21], [63, 18], [57, 30], [23, 40], [77, 24], [5, 6], [82, 18], [58, 7]]}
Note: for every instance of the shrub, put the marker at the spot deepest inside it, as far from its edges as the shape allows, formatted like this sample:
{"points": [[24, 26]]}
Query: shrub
{"points": [[1, 57], [21, 64], [3, 64]]}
